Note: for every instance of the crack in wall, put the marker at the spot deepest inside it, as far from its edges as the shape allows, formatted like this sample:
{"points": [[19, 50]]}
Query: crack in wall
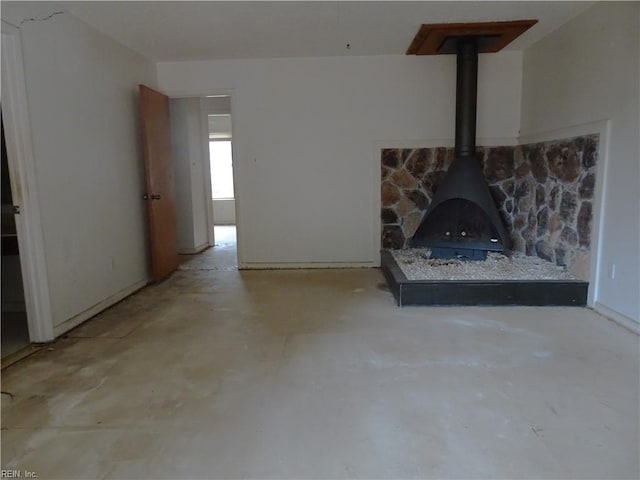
{"points": [[43, 19]]}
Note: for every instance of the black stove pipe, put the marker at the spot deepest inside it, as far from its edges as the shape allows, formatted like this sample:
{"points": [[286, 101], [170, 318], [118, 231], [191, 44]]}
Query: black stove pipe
{"points": [[466, 96], [463, 186]]}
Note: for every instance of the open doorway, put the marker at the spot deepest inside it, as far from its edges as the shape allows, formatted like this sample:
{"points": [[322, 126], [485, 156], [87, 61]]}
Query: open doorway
{"points": [[24, 194], [204, 181], [222, 191], [15, 329]]}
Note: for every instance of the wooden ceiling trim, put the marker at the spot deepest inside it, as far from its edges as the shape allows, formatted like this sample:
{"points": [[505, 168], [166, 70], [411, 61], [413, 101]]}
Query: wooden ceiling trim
{"points": [[497, 35]]}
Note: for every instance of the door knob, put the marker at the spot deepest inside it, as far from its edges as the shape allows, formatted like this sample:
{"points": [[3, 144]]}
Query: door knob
{"points": [[155, 197]]}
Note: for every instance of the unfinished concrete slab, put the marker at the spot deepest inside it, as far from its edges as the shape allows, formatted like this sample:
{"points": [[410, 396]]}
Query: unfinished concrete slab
{"points": [[317, 373]]}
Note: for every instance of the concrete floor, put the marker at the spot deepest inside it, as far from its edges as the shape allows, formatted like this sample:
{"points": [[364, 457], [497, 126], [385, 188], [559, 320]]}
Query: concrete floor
{"points": [[217, 373]]}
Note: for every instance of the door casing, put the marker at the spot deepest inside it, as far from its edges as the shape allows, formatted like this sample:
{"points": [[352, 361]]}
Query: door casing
{"points": [[22, 174]]}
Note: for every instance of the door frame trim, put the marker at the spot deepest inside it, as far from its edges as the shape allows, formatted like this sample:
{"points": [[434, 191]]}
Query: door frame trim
{"points": [[22, 172]]}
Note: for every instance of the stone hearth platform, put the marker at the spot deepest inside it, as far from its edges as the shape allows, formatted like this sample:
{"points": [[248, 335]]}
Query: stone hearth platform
{"points": [[481, 292]]}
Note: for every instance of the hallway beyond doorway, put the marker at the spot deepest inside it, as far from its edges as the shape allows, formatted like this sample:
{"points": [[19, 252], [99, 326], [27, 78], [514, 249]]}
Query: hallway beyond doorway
{"points": [[222, 256]]}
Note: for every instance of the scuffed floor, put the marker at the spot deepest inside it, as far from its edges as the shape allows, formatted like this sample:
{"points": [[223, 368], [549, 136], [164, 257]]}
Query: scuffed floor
{"points": [[316, 373]]}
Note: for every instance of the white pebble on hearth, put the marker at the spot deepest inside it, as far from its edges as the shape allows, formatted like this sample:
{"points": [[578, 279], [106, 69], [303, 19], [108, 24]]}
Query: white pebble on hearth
{"points": [[416, 264]]}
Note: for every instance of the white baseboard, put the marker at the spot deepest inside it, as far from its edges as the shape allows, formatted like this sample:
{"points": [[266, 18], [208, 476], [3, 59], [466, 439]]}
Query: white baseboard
{"points": [[617, 317], [284, 266], [97, 308]]}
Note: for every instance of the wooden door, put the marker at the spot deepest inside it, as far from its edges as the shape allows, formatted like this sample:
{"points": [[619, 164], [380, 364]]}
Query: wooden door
{"points": [[156, 140]]}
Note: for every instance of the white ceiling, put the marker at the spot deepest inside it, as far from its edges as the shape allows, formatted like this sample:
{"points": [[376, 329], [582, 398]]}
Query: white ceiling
{"points": [[174, 31]]}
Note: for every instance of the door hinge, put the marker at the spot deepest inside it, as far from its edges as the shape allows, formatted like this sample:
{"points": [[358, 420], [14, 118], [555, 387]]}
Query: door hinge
{"points": [[16, 209]]}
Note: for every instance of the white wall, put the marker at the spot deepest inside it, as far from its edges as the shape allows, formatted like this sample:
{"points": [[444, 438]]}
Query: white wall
{"points": [[224, 211], [307, 134], [219, 105], [82, 102], [188, 155], [587, 71]]}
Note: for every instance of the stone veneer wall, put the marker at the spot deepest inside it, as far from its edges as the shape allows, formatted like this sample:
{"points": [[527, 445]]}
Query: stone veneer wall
{"points": [[544, 193]]}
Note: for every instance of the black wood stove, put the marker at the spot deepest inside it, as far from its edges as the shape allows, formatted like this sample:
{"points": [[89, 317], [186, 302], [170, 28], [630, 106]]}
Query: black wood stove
{"points": [[462, 220]]}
